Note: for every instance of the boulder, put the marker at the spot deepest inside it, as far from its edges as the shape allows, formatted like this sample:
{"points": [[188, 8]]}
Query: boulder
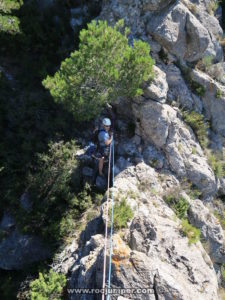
{"points": [[18, 250], [158, 88], [178, 30]]}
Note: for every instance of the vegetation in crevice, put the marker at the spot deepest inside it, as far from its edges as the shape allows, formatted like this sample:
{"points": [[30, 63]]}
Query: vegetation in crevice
{"points": [[199, 126], [122, 213]]}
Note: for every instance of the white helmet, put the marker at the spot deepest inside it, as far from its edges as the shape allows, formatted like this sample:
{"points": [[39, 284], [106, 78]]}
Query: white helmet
{"points": [[106, 122]]}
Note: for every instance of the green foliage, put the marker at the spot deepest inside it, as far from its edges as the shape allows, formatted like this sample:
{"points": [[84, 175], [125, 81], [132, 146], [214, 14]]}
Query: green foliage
{"points": [[48, 286], [207, 61], [213, 6], [217, 165], [179, 205], [197, 88], [191, 232], [104, 68], [54, 192], [9, 24], [6, 6], [223, 271], [196, 121], [122, 213], [220, 218], [218, 93]]}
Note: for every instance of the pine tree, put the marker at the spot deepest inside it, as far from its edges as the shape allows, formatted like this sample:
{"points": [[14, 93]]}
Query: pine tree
{"points": [[104, 68]]}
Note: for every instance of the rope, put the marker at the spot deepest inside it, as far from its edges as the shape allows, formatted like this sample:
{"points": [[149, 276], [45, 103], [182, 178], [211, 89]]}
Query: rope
{"points": [[106, 226], [111, 231]]}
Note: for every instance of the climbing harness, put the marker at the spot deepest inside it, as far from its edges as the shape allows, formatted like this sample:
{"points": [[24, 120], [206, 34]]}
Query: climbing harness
{"points": [[111, 154]]}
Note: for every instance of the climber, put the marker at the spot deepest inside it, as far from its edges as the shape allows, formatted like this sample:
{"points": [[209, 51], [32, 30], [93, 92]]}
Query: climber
{"points": [[105, 138]]}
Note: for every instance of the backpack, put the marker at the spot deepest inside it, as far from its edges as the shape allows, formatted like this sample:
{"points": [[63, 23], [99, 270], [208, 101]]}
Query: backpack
{"points": [[93, 146], [95, 137]]}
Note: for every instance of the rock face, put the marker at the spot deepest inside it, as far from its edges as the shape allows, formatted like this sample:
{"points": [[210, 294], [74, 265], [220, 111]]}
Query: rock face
{"points": [[180, 32], [18, 251], [160, 125], [213, 100], [152, 253], [211, 230]]}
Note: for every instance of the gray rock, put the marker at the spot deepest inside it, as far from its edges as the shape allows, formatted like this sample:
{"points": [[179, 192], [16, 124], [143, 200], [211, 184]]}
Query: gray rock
{"points": [[181, 33], [153, 157], [121, 164], [64, 260], [7, 222], [25, 202], [213, 103], [211, 230], [217, 72], [159, 124], [155, 5], [127, 148], [18, 251], [179, 91], [101, 183], [158, 88], [221, 186]]}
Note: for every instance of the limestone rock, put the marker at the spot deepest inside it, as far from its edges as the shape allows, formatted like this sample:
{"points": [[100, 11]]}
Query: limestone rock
{"points": [[155, 5], [179, 92], [181, 33], [160, 125], [200, 216], [213, 100], [158, 88], [217, 72], [18, 251]]}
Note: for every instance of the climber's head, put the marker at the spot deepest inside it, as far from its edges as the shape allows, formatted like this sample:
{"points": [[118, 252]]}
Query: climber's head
{"points": [[106, 123]]}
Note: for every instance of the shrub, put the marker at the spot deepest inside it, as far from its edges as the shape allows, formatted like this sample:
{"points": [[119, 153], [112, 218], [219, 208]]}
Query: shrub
{"points": [[122, 213], [9, 24], [191, 232], [196, 121], [54, 190], [104, 68], [220, 219], [213, 6], [48, 286], [223, 271], [218, 93], [217, 165], [180, 205]]}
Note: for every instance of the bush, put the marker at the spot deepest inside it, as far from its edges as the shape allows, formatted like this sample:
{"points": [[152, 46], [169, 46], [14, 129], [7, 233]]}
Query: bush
{"points": [[104, 68], [191, 232], [223, 271], [196, 121], [180, 205], [122, 213], [54, 190], [218, 93], [48, 286], [9, 24], [217, 165]]}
